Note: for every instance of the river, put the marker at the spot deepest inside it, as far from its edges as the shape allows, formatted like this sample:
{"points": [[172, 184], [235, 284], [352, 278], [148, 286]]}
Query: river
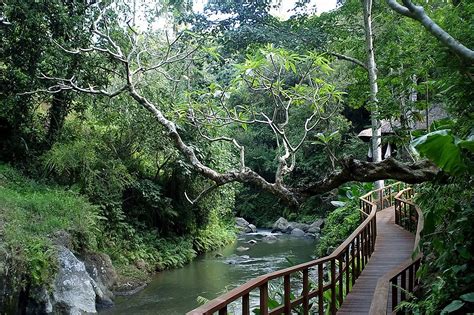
{"points": [[175, 291]]}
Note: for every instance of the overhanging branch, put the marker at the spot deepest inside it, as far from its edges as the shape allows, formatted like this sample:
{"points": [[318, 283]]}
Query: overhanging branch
{"points": [[361, 171]]}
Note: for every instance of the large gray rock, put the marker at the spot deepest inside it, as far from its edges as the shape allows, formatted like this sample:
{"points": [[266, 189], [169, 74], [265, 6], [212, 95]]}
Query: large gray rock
{"points": [[317, 224], [244, 226], [269, 238], [313, 230], [241, 222], [297, 232], [281, 225], [74, 291], [252, 228], [99, 267], [301, 226]]}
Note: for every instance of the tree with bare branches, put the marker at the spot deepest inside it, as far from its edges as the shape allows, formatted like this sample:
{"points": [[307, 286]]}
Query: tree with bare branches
{"points": [[138, 57]]}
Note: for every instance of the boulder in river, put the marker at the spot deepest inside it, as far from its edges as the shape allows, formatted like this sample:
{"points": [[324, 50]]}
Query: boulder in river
{"points": [[252, 242], [297, 232], [297, 225], [252, 228], [281, 225], [244, 226], [241, 249], [317, 224], [269, 238], [312, 235], [241, 222], [314, 230]]}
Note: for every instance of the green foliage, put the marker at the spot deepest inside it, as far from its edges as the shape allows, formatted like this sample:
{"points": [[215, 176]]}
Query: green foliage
{"points": [[23, 202], [446, 151], [339, 225], [217, 233], [341, 222], [447, 242]]}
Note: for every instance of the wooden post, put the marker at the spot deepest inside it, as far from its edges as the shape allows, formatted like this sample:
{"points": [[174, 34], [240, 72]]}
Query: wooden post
{"points": [[411, 281], [305, 292], [264, 299], [353, 251], [347, 271], [320, 289], [358, 252], [394, 293], [333, 286], [403, 285], [287, 285], [341, 281], [246, 304]]}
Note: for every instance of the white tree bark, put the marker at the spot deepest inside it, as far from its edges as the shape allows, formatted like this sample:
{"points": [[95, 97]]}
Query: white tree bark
{"points": [[376, 140]]}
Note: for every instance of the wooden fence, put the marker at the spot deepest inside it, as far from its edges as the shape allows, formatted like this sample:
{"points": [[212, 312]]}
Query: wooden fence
{"points": [[321, 284], [398, 284]]}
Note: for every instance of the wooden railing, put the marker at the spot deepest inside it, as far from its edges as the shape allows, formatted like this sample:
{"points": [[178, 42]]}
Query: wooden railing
{"points": [[395, 286], [322, 284]]}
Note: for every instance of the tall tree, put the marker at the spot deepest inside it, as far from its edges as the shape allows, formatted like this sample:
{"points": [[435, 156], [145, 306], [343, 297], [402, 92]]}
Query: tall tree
{"points": [[376, 140]]}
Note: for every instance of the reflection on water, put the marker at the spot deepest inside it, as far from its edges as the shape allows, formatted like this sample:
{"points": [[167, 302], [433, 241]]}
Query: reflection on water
{"points": [[175, 291]]}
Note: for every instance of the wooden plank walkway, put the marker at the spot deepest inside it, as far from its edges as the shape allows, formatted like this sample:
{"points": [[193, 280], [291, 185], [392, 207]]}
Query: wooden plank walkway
{"points": [[393, 246]]}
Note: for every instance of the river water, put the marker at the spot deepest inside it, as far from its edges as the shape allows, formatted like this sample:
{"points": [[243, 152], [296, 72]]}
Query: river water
{"points": [[175, 291]]}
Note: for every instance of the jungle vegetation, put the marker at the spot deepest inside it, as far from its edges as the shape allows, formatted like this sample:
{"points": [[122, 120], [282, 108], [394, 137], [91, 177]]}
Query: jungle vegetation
{"points": [[159, 124]]}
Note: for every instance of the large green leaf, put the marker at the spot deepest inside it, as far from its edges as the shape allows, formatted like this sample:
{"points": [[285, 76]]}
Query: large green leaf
{"points": [[468, 297], [453, 306], [441, 148]]}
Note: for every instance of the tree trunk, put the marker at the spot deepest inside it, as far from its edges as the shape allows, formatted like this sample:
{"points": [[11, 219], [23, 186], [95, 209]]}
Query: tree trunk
{"points": [[376, 141], [57, 114]]}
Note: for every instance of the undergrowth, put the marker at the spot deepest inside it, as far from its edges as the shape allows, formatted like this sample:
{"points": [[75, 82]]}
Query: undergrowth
{"points": [[30, 213]]}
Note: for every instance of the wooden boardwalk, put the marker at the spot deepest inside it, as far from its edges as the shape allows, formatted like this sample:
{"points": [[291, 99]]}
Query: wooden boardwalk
{"points": [[393, 246]]}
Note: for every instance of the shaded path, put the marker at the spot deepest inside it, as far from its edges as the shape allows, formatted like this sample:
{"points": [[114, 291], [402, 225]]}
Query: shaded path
{"points": [[393, 246]]}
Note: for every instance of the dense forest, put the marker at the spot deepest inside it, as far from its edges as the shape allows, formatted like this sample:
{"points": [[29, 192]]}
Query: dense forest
{"points": [[133, 133]]}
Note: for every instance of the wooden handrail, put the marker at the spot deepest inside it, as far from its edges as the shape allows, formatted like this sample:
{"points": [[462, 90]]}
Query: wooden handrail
{"points": [[344, 264], [404, 276]]}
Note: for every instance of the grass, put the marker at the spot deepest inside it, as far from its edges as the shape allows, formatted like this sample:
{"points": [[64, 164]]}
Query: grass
{"points": [[30, 214]]}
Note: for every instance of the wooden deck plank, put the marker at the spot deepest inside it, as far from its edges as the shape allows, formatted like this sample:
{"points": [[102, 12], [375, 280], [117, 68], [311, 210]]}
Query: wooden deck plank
{"points": [[393, 246]]}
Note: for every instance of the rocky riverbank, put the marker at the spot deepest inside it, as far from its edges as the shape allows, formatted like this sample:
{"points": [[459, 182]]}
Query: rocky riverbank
{"points": [[282, 225], [82, 284]]}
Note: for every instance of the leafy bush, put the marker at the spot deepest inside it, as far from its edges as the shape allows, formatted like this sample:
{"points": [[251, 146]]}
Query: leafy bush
{"points": [[339, 225], [216, 234], [447, 271], [341, 222]]}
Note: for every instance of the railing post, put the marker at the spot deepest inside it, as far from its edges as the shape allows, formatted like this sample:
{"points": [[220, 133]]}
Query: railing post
{"points": [[246, 304], [320, 289], [341, 281], [403, 286], [333, 286], [264, 299], [374, 232], [347, 270], [353, 251], [394, 293], [411, 281], [287, 288], [359, 251], [305, 292]]}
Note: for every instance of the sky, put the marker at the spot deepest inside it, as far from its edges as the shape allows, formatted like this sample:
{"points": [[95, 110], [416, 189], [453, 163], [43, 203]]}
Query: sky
{"points": [[283, 12], [285, 6]]}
